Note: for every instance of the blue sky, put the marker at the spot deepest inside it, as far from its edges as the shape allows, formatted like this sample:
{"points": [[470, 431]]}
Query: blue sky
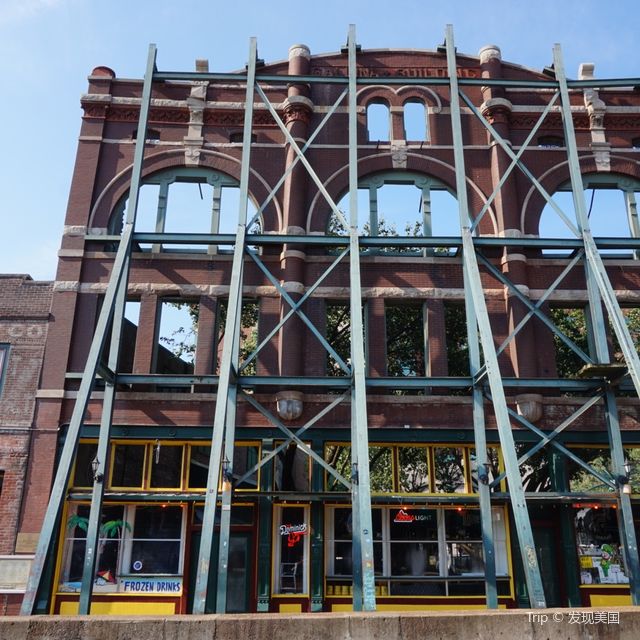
{"points": [[48, 47]]}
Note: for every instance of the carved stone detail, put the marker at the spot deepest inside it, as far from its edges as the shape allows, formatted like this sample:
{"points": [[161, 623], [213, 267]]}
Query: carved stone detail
{"points": [[489, 52], [399, 154], [299, 51]]}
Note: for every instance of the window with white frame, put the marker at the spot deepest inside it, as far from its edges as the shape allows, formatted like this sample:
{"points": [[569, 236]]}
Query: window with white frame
{"points": [[291, 549], [135, 541], [417, 550]]}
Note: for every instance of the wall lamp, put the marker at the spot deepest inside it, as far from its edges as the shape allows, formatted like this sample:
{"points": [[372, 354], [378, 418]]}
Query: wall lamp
{"points": [[227, 477], [95, 469], [622, 481]]}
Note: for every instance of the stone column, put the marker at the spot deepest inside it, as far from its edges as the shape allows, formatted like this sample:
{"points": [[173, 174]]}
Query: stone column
{"points": [[297, 114], [497, 110]]}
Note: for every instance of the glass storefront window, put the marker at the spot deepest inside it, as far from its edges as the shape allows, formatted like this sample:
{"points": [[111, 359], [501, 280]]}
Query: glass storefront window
{"points": [[135, 540], [418, 551], [413, 469], [449, 465], [83, 473], [155, 541], [166, 467], [128, 465], [599, 549], [292, 549]]}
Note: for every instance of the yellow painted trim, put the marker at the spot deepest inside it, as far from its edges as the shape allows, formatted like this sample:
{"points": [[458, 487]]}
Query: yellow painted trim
{"points": [[59, 555], [604, 586], [418, 607], [601, 600], [290, 608], [121, 608]]}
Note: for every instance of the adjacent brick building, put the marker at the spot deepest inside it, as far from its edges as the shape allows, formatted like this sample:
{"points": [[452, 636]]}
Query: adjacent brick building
{"points": [[291, 521], [24, 320]]}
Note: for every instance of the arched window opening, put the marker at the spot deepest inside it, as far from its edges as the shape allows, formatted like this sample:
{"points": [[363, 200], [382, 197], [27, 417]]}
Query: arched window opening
{"points": [[378, 122], [611, 207], [415, 121], [402, 204], [186, 201]]}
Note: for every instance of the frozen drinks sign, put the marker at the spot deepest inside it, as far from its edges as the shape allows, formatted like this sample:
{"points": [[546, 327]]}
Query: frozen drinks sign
{"points": [[166, 586], [293, 532]]}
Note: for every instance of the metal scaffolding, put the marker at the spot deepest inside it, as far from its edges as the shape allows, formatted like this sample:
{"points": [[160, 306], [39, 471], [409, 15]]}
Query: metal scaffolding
{"points": [[485, 379]]}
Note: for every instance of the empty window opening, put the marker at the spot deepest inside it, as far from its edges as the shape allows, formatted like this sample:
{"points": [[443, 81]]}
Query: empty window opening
{"points": [[415, 121], [129, 335], [338, 335], [187, 201], [406, 339], [378, 122], [177, 334], [1, 481], [401, 204], [455, 323], [573, 324], [611, 208], [632, 320], [248, 334], [635, 143]]}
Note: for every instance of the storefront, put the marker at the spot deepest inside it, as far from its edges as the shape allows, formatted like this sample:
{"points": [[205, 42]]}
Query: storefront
{"points": [[291, 554]]}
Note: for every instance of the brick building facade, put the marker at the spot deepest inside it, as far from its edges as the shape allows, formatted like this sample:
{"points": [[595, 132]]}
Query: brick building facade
{"points": [[286, 518], [24, 318]]}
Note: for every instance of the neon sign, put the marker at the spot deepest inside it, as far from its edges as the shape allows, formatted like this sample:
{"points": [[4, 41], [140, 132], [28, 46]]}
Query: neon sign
{"points": [[294, 533], [403, 516]]}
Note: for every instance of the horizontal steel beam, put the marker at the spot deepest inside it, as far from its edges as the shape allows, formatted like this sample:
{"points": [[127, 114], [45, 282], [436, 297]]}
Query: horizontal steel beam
{"points": [[402, 80], [371, 241]]}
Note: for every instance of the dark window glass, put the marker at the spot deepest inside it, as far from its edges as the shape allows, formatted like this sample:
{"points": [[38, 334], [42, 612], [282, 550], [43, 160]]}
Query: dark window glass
{"points": [[463, 524], [198, 466], [156, 540], [83, 473], [128, 465], [166, 467], [413, 524]]}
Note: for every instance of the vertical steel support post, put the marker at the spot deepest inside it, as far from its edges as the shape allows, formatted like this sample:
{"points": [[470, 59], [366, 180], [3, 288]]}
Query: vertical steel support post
{"points": [[227, 479], [88, 377], [518, 502], [231, 329], [102, 454], [480, 437], [364, 597], [599, 290]]}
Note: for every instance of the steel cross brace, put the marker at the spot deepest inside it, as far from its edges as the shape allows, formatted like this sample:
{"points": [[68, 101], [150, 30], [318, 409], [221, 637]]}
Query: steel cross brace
{"points": [[306, 146], [294, 437], [535, 309], [514, 162], [518, 501], [63, 472], [600, 290], [227, 386], [295, 308], [549, 439]]}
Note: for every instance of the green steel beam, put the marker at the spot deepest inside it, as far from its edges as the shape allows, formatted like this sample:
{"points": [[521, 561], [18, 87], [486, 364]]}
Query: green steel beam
{"points": [[480, 439], [402, 80], [514, 162], [364, 596], [600, 290], [372, 241], [61, 480], [518, 502], [102, 454], [227, 469], [231, 329]]}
